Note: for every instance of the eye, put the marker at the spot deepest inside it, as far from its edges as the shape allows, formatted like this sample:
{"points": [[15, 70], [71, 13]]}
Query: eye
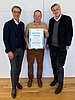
{"points": [[16, 12]]}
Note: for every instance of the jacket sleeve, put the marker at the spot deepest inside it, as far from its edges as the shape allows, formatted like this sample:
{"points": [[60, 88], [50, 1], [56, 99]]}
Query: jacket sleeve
{"points": [[69, 31], [6, 40], [47, 43], [27, 34]]}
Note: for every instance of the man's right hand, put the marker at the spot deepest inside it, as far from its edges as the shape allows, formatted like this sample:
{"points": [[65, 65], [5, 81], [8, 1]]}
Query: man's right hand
{"points": [[47, 47], [10, 55]]}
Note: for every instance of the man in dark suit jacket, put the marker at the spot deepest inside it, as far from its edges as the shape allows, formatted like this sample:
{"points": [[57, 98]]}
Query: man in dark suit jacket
{"points": [[60, 36], [13, 36]]}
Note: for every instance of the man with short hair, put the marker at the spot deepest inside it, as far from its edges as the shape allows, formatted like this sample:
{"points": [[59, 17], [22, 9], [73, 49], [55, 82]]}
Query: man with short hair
{"points": [[35, 53], [60, 36], [13, 36]]}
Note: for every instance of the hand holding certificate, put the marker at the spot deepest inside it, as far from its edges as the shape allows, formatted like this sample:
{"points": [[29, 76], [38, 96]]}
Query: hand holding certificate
{"points": [[36, 38]]}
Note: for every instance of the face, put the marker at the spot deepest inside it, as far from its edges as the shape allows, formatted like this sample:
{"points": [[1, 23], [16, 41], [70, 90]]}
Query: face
{"points": [[37, 17], [56, 11], [16, 13]]}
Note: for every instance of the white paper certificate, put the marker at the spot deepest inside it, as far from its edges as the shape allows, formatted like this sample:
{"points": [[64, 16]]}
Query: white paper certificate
{"points": [[36, 38]]}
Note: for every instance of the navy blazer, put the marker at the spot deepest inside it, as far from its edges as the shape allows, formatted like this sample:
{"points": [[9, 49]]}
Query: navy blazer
{"points": [[65, 31], [9, 36]]}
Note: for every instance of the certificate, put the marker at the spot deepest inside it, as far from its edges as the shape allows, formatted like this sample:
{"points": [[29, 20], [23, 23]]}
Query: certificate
{"points": [[36, 38]]}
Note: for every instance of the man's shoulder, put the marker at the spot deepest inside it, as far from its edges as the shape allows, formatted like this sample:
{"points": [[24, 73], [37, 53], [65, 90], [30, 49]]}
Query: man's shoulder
{"points": [[8, 22], [30, 24], [65, 16], [43, 23], [52, 18], [22, 22]]}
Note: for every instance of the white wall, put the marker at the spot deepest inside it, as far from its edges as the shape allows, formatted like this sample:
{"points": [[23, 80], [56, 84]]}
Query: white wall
{"points": [[28, 7]]}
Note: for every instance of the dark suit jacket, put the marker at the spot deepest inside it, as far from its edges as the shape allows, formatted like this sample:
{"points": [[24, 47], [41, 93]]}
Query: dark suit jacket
{"points": [[10, 38], [65, 31]]}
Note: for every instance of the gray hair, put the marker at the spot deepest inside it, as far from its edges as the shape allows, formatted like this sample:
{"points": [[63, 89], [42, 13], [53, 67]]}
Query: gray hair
{"points": [[55, 4]]}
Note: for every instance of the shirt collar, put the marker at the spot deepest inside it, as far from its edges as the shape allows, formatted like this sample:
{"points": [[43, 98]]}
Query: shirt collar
{"points": [[36, 23], [16, 21], [58, 18]]}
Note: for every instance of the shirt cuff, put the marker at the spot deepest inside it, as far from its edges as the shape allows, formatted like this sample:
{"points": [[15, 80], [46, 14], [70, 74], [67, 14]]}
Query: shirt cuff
{"points": [[67, 47]]}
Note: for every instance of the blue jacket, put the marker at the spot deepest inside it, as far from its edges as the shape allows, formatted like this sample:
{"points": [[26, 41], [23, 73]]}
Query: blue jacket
{"points": [[10, 38]]}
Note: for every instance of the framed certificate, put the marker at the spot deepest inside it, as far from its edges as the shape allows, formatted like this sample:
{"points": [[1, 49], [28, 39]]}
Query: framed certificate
{"points": [[36, 38]]}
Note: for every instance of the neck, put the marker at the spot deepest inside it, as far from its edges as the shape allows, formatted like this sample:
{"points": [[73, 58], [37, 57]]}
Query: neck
{"points": [[37, 23], [17, 20], [57, 17]]}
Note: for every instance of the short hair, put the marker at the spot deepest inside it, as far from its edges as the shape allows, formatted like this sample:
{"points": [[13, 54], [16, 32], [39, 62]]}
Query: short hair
{"points": [[38, 11], [55, 4], [16, 7]]}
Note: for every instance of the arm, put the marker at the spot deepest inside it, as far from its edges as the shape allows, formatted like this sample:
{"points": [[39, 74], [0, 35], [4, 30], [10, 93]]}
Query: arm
{"points": [[46, 31], [69, 31], [6, 33], [47, 42], [26, 36]]}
